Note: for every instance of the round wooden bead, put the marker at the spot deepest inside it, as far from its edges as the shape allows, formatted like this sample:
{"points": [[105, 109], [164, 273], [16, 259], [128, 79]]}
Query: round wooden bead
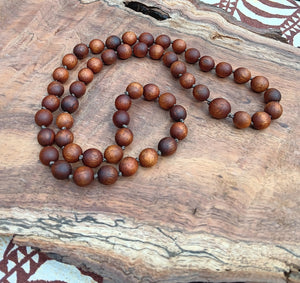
{"points": [[124, 51], [167, 146], [128, 166], [64, 120], [169, 58], [178, 68], [60, 74], [206, 63], [259, 84], [55, 88], [61, 169], [261, 120], [219, 108], [92, 157], [81, 50], [135, 90], [241, 119], [124, 137], [95, 64], [192, 55], [274, 109], [69, 103], [70, 61], [187, 80], [201, 92], [241, 75], [123, 102], [109, 56], [51, 102], [166, 100], [71, 152], [121, 118], [146, 38], [96, 46], [148, 157], [43, 117], [151, 92], [83, 176], [156, 51], [140, 50], [48, 154], [46, 137], [272, 94], [178, 131], [129, 38], [179, 46], [177, 113], [112, 42], [77, 88], [113, 154], [63, 137], [85, 75], [163, 40], [107, 175], [223, 70]]}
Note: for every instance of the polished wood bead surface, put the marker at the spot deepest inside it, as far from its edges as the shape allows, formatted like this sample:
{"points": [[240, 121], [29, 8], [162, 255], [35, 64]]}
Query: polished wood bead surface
{"points": [[51, 102], [151, 92], [46, 137], [140, 50], [70, 61], [241, 75], [63, 137], [146, 38], [241, 119], [261, 120], [86, 75], [64, 120], [61, 169], [81, 50], [167, 146], [77, 88], [129, 38], [92, 157], [135, 90], [166, 100], [43, 117], [219, 108], [223, 70], [69, 104], [156, 51], [169, 58], [123, 102], [178, 68], [124, 51], [96, 46], [109, 56], [107, 175], [113, 154], [55, 88], [163, 40], [179, 131], [112, 42], [192, 55], [128, 166], [148, 157], [179, 46], [124, 137], [206, 63], [187, 80], [71, 152], [121, 118], [272, 94], [83, 176], [201, 92], [259, 83], [95, 64], [60, 74], [274, 109], [178, 112], [48, 154]]}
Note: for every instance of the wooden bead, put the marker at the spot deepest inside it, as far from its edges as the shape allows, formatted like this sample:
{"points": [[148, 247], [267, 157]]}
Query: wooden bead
{"points": [[166, 100], [83, 176], [51, 102], [135, 90], [177, 113], [60, 74], [55, 88], [274, 109], [241, 120], [156, 51], [169, 58], [109, 56], [148, 157], [179, 46], [124, 137], [167, 146], [140, 50], [123, 102], [48, 154], [112, 42], [64, 120], [69, 103], [46, 137], [201, 92], [272, 94], [128, 166], [219, 108], [95, 64], [206, 63], [71, 152], [70, 61], [223, 70], [61, 169], [261, 120], [85, 75], [192, 55], [96, 46], [77, 88], [187, 80], [151, 92], [81, 50], [92, 157], [178, 68], [64, 137], [124, 51], [43, 117], [129, 38], [146, 38], [113, 154], [259, 84], [241, 75], [107, 175], [163, 40], [121, 118], [178, 131]]}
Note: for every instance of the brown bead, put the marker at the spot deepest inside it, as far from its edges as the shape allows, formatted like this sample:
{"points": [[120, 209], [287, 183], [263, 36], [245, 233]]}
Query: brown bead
{"points": [[241, 75], [148, 157], [135, 90], [61, 169], [187, 80], [48, 154], [69, 104], [146, 38], [124, 51], [163, 40], [51, 102], [259, 84], [151, 92], [166, 100], [128, 166], [112, 42], [92, 157], [140, 50], [179, 46], [272, 94], [206, 63], [156, 52], [223, 70], [96, 46], [77, 88], [55, 88], [241, 120], [177, 113], [178, 68], [121, 118], [43, 117], [261, 120], [85, 75], [95, 64], [109, 56], [169, 58], [178, 131], [124, 137], [201, 92], [46, 137], [108, 175], [113, 153], [123, 102], [274, 109], [81, 50], [70, 61], [64, 137], [71, 152], [219, 108], [83, 176], [167, 146], [129, 37], [192, 55], [60, 74], [64, 120]]}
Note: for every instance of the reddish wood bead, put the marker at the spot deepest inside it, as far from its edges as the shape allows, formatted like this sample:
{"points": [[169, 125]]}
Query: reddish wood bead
{"points": [[140, 50], [48, 154], [128, 166], [46, 137], [71, 152], [151, 92], [223, 70], [43, 117], [178, 68], [113, 154], [77, 88], [261, 120], [274, 109], [163, 40], [70, 61], [167, 146], [124, 137], [95, 64], [156, 52], [259, 84], [124, 51], [179, 46], [206, 63], [85, 75], [177, 113], [187, 80], [92, 157], [109, 56], [148, 157], [51, 102], [55, 88], [81, 50], [166, 100], [146, 38], [241, 120], [135, 90], [201, 92], [241, 75], [178, 131], [64, 120], [192, 55], [107, 175], [123, 102], [61, 169], [272, 94], [129, 37], [219, 108], [83, 176], [121, 118], [169, 58], [60, 74], [70, 104], [96, 46], [112, 42], [63, 137]]}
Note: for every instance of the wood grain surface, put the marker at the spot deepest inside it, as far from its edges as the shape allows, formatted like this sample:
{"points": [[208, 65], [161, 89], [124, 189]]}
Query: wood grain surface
{"points": [[225, 207]]}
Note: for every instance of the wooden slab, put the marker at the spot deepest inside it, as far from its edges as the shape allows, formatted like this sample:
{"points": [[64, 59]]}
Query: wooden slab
{"points": [[225, 207]]}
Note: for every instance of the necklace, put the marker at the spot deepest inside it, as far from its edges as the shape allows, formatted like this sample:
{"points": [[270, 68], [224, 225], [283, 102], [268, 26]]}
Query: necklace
{"points": [[114, 48]]}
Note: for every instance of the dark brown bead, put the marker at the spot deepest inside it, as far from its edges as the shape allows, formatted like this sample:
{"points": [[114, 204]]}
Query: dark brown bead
{"points": [[121, 118], [46, 137], [140, 50], [241, 75], [92, 157], [274, 109], [64, 120], [261, 120], [43, 117], [177, 113], [124, 137], [123, 102], [70, 61], [192, 55], [178, 131], [96, 46], [223, 70], [81, 50], [51, 102], [107, 175], [135, 90], [166, 100], [64, 137], [201, 92], [179, 46], [206, 63], [156, 52], [113, 153], [178, 68], [85, 75], [60, 74], [77, 88], [163, 40], [272, 94], [151, 92], [167, 146], [259, 84], [48, 154], [109, 56], [148, 157], [129, 37], [146, 38], [71, 152], [124, 51], [241, 120], [169, 58], [219, 108], [61, 169], [55, 88], [69, 103], [83, 176], [187, 80], [112, 42], [128, 166], [95, 64]]}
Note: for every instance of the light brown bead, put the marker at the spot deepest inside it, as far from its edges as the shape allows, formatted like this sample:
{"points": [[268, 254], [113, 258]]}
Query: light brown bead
{"points": [[167, 146], [124, 51], [43, 117], [92, 157], [107, 175], [272, 94], [206, 63], [51, 102], [85, 75], [112, 42], [60, 74], [192, 55], [77, 88], [166, 100], [95, 64], [179, 46], [71, 152], [178, 68], [48, 154], [129, 37], [83, 176], [169, 58], [69, 104], [148, 157], [201, 92], [55, 88], [151, 92], [178, 113], [187, 80], [219, 108], [223, 70], [156, 52], [261, 120], [61, 169], [64, 120], [128, 166], [121, 118], [81, 50], [63, 137], [146, 38], [109, 56], [140, 50], [274, 109], [241, 119], [46, 137], [241, 75], [70, 61], [124, 137], [123, 102], [259, 84], [135, 90], [96, 46], [113, 154], [163, 40], [178, 131]]}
